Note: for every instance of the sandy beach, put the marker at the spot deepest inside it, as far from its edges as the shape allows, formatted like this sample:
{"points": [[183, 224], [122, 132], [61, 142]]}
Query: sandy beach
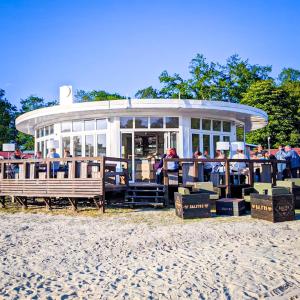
{"points": [[147, 255]]}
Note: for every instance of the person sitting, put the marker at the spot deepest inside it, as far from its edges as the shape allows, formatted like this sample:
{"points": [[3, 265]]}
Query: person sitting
{"points": [[239, 167], [172, 165], [14, 168], [54, 165], [207, 167]]}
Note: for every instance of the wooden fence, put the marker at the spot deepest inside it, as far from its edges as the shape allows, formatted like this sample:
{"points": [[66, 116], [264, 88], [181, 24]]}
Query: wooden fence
{"points": [[57, 178], [193, 170]]}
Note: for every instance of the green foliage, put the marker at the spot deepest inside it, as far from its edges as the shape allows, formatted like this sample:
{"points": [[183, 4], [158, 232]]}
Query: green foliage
{"points": [[147, 93], [7, 116], [289, 75], [282, 113], [209, 80], [25, 141], [83, 96]]}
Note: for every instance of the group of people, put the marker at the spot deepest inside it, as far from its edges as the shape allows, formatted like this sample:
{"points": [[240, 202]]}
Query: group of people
{"points": [[289, 168], [55, 166]]}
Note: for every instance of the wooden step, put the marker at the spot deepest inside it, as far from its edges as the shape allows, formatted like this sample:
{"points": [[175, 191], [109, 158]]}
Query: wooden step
{"points": [[145, 197], [144, 203], [145, 191]]}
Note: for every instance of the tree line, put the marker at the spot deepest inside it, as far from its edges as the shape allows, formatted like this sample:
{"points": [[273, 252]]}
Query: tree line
{"points": [[235, 81]]}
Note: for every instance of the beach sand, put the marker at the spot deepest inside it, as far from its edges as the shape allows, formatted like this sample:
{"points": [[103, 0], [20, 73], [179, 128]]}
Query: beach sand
{"points": [[148, 254]]}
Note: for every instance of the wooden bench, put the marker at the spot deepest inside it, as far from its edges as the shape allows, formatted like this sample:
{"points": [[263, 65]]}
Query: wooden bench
{"points": [[72, 189]]}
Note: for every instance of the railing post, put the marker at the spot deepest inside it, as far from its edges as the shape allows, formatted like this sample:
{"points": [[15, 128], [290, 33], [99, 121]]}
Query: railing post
{"points": [[48, 169], [227, 177], [274, 167], [102, 176], [2, 171], [251, 172], [196, 171]]}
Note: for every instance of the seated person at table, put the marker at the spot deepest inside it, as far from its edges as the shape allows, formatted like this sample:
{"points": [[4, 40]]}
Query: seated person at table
{"points": [[207, 167], [172, 165], [15, 167], [55, 165], [239, 167]]}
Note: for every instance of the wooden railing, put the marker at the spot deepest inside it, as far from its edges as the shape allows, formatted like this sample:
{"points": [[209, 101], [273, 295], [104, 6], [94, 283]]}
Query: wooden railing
{"points": [[191, 170], [72, 178]]}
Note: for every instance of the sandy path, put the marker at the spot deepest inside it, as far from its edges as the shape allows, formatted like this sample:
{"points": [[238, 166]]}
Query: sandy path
{"points": [[155, 257]]}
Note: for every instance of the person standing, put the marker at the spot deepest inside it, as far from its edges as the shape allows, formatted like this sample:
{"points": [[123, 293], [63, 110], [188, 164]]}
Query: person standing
{"points": [[293, 158], [281, 167]]}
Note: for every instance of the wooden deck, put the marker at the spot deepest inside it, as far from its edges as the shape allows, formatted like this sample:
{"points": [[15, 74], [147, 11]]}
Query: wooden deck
{"points": [[67, 178]]}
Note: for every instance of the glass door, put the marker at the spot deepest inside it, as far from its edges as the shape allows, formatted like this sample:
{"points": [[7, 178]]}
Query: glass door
{"points": [[126, 151]]}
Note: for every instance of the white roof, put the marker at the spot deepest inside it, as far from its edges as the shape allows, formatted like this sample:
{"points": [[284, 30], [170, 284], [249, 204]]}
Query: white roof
{"points": [[253, 118]]}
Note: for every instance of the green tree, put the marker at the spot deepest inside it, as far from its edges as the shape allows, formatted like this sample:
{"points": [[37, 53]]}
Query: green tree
{"points": [[281, 110], [238, 75], [25, 141], [289, 75], [148, 93], [7, 124], [210, 80], [83, 96]]}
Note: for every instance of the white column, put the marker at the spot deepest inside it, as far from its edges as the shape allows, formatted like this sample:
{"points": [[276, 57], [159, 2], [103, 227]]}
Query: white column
{"points": [[184, 149], [113, 137]]}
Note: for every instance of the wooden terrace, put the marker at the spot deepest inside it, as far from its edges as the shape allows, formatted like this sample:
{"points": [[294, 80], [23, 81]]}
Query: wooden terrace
{"points": [[91, 178]]}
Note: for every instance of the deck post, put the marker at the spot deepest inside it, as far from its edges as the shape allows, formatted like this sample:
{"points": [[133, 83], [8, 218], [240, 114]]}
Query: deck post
{"points": [[273, 170], [196, 171], [166, 183], [2, 201], [251, 173], [102, 176], [227, 177]]}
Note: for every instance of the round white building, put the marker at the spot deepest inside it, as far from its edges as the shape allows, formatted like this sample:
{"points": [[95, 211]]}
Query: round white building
{"points": [[138, 128]]}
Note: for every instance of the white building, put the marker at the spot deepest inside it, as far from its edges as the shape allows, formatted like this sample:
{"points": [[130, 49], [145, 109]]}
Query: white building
{"points": [[139, 128]]}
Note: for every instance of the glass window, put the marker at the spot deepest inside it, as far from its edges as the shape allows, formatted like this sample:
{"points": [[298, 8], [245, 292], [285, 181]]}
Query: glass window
{"points": [[89, 125], [66, 143], [195, 123], [240, 133], [101, 144], [141, 122], [206, 144], [126, 122], [66, 126], [37, 133], [226, 126], [43, 148], [41, 132], [51, 129], [216, 138], [101, 124], [172, 122], [77, 126], [206, 124], [38, 146], [195, 143], [89, 145], [216, 125], [47, 130], [126, 145], [226, 138], [173, 139], [156, 122], [77, 145]]}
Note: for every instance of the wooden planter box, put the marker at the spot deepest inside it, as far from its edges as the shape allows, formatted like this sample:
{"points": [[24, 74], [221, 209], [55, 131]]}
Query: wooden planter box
{"points": [[276, 208], [192, 206], [230, 207]]}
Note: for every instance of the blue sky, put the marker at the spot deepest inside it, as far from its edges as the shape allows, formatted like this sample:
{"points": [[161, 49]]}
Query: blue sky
{"points": [[122, 46]]}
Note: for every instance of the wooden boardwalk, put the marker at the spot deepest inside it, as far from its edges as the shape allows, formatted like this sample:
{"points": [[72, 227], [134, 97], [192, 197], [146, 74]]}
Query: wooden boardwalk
{"points": [[66, 178]]}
